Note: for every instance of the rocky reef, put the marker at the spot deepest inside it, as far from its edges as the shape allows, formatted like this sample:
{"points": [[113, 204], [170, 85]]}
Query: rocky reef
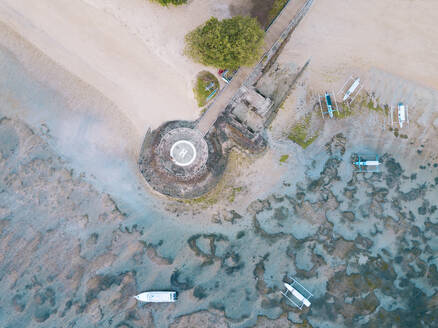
{"points": [[364, 244]]}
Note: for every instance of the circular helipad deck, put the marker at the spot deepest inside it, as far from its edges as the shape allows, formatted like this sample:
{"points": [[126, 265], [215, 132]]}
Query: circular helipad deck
{"points": [[183, 152], [178, 161]]}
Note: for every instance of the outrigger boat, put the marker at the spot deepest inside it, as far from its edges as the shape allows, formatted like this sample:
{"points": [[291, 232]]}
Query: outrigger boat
{"points": [[157, 297], [296, 293], [351, 90], [366, 163], [328, 105]]}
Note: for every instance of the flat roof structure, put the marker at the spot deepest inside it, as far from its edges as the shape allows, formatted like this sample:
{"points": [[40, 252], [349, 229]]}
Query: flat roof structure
{"points": [[183, 152]]}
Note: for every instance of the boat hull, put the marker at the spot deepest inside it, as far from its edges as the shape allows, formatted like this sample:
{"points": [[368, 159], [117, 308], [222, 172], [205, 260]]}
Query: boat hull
{"points": [[157, 297]]}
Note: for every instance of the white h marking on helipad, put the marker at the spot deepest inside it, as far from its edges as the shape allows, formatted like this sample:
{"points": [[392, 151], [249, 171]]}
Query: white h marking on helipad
{"points": [[183, 153]]}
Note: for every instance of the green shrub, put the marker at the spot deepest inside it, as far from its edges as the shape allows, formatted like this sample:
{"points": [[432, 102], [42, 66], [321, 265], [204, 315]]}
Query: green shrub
{"points": [[173, 2], [229, 43]]}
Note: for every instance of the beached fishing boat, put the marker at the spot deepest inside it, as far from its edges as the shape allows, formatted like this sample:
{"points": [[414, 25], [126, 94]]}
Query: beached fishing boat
{"points": [[157, 297], [401, 114], [352, 89]]}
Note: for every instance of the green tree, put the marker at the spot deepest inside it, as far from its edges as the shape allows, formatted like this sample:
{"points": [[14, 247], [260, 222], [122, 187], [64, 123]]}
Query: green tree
{"points": [[173, 2], [229, 43]]}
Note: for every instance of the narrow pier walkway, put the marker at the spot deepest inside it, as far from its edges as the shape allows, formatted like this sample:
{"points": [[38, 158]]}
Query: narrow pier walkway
{"points": [[276, 34]]}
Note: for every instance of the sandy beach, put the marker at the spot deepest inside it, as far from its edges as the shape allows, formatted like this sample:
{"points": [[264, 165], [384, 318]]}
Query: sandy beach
{"points": [[124, 51], [345, 37]]}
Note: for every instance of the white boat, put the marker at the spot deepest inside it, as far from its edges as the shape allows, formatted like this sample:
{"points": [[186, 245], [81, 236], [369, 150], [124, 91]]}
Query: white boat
{"points": [[351, 89], [401, 114], [297, 294], [157, 297], [369, 163]]}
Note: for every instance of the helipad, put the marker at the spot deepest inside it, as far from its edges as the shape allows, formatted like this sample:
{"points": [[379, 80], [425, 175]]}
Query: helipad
{"points": [[175, 160], [183, 153]]}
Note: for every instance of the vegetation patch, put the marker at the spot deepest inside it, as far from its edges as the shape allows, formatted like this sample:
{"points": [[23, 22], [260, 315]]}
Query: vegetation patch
{"points": [[370, 106], [346, 112], [363, 102], [277, 6], [206, 87], [229, 43], [171, 2], [234, 192], [283, 158], [266, 10], [300, 133]]}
